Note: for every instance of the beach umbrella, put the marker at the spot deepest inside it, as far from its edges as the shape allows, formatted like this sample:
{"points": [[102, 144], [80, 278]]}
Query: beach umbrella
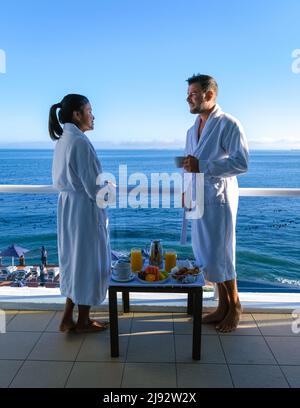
{"points": [[14, 251]]}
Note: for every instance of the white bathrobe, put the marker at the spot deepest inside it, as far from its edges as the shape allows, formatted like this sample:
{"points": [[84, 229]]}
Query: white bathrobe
{"points": [[83, 240], [222, 152]]}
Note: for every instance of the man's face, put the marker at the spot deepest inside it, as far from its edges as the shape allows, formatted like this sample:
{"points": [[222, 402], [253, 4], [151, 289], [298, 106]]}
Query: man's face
{"points": [[197, 99]]}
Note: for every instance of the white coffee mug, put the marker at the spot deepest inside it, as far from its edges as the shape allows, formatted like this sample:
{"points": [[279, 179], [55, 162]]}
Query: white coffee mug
{"points": [[122, 270]]}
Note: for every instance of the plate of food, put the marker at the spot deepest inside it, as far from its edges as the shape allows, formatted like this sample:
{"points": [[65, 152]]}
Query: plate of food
{"points": [[185, 275], [152, 274]]}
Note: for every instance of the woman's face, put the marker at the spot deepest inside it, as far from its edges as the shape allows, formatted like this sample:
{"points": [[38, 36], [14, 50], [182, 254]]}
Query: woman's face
{"points": [[84, 119]]}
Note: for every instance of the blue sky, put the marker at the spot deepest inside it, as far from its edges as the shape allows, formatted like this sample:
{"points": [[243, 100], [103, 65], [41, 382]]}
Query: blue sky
{"points": [[131, 58]]}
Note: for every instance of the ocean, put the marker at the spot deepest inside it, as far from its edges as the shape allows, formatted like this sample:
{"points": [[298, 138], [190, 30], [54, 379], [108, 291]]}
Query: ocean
{"points": [[268, 228]]}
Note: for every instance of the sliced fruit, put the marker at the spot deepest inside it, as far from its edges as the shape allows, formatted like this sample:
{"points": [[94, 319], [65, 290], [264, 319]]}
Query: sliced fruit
{"points": [[150, 277], [153, 270]]}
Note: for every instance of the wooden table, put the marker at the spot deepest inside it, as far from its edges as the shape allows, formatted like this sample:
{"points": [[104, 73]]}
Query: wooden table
{"points": [[194, 306]]}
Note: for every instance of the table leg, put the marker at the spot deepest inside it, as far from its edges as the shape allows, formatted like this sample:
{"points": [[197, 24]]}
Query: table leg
{"points": [[113, 320], [125, 297], [197, 309], [190, 303]]}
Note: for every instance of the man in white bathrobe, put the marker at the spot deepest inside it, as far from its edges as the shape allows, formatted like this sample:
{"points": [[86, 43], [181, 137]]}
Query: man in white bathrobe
{"points": [[216, 146]]}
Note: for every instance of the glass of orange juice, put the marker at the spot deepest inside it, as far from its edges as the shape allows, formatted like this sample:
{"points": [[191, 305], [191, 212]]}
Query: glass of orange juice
{"points": [[170, 260], [136, 260]]}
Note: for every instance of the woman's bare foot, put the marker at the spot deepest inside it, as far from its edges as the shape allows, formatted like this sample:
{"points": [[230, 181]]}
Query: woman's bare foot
{"points": [[231, 321], [67, 325], [92, 326], [215, 317]]}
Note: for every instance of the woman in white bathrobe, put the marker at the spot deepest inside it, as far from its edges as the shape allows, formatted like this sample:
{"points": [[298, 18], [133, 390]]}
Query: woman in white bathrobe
{"points": [[216, 146], [82, 227]]}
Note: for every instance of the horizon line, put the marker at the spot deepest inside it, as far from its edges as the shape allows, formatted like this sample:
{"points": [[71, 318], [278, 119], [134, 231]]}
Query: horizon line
{"points": [[145, 148]]}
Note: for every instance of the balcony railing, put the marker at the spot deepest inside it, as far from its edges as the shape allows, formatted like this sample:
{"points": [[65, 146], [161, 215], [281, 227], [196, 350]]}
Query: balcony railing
{"points": [[243, 192]]}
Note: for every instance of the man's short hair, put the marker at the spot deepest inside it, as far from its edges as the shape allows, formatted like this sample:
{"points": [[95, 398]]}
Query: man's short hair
{"points": [[206, 82]]}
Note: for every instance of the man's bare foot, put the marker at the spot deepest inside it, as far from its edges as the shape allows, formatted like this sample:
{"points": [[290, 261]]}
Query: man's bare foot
{"points": [[67, 325], [231, 321], [92, 326], [215, 317]]}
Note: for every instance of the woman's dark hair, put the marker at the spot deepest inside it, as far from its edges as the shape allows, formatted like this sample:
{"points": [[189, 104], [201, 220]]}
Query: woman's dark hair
{"points": [[67, 106]]}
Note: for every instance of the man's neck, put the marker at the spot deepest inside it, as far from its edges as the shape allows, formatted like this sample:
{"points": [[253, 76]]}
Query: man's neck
{"points": [[205, 115]]}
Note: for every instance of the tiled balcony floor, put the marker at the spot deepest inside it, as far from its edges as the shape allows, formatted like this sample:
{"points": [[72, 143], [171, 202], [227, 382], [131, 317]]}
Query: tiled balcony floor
{"points": [[155, 351]]}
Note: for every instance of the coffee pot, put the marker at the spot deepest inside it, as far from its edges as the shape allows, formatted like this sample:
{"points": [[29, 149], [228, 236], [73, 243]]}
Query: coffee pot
{"points": [[156, 253]]}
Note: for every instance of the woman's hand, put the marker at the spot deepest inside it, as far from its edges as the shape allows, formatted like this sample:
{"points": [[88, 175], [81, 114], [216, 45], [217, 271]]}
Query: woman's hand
{"points": [[191, 164]]}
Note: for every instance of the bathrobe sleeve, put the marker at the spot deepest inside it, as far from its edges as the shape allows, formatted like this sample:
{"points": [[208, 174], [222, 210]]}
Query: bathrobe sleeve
{"points": [[235, 145], [86, 166]]}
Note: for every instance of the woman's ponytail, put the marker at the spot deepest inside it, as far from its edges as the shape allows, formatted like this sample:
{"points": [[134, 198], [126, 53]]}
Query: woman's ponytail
{"points": [[55, 130]]}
